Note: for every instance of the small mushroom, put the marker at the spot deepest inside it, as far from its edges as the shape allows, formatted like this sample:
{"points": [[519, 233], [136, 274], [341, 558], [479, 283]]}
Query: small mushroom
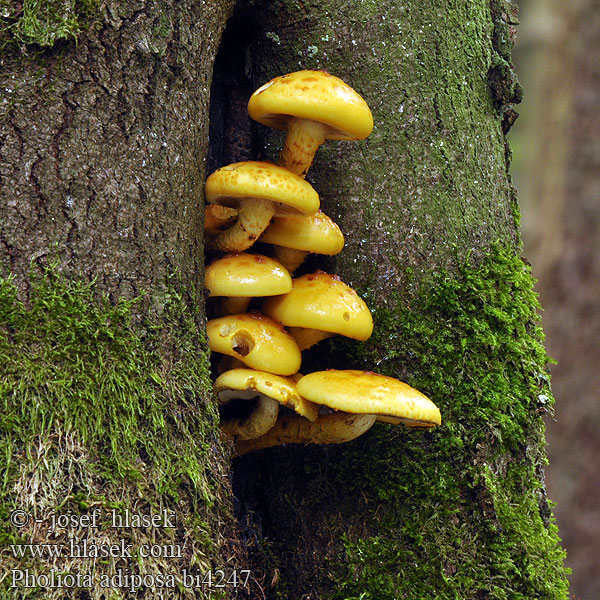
{"points": [[258, 190], [296, 236], [367, 392], [334, 428], [256, 340], [320, 306], [267, 392], [312, 106], [241, 276]]}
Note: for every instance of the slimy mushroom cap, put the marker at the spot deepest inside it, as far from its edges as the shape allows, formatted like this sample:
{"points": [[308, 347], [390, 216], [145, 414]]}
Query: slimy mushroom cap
{"points": [[249, 383], [247, 276], [256, 340], [316, 96], [232, 184], [322, 302], [370, 393], [312, 233]]}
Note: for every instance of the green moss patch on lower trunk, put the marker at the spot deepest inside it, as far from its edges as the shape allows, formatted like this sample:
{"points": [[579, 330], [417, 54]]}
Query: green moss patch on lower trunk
{"points": [[455, 512], [103, 411]]}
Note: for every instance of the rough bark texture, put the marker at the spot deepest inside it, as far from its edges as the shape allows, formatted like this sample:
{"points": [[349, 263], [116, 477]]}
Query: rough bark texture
{"points": [[111, 180], [106, 403], [430, 217], [104, 145]]}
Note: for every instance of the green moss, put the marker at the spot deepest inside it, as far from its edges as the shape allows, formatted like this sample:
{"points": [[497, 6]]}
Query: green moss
{"points": [[102, 407], [451, 513], [70, 360], [462, 509], [44, 22]]}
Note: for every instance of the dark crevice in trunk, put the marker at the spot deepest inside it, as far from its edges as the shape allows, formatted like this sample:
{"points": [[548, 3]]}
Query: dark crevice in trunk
{"points": [[231, 138]]}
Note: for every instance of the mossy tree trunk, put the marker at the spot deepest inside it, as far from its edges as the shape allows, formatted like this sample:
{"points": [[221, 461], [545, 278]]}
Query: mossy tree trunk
{"points": [[104, 377], [104, 145]]}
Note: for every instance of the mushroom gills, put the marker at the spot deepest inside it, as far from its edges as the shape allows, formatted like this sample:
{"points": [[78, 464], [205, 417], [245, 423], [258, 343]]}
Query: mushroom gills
{"points": [[242, 342], [290, 258], [256, 418], [306, 338], [335, 428]]}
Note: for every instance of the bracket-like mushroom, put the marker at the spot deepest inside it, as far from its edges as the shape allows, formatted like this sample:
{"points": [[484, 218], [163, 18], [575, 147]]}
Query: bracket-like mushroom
{"points": [[320, 306], [239, 277], [357, 399], [335, 428], [366, 392], [267, 392], [256, 340], [295, 236]]}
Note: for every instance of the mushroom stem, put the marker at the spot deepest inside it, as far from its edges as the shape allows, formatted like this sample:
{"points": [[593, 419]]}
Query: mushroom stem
{"points": [[254, 215], [290, 258], [217, 216], [262, 418], [234, 305], [306, 338], [302, 141], [335, 428]]}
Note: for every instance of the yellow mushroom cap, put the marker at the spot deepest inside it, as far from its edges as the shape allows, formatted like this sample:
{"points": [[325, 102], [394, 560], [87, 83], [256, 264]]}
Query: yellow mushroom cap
{"points": [[311, 233], [323, 302], [366, 392], [314, 95], [256, 340], [249, 383], [253, 179], [247, 276]]}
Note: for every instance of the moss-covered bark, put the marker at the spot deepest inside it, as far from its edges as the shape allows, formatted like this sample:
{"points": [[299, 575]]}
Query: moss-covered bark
{"points": [[99, 415], [430, 216], [104, 388]]}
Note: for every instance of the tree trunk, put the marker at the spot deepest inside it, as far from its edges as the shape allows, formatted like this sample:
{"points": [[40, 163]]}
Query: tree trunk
{"points": [[103, 146], [105, 368]]}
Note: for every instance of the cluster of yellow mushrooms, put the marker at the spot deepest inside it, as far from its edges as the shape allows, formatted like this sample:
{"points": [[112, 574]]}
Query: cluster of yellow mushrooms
{"points": [[264, 400]]}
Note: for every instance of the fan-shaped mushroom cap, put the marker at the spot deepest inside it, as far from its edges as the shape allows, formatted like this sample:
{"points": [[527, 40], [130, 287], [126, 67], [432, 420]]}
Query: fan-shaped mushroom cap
{"points": [[256, 340], [314, 95], [366, 392], [323, 302], [232, 184], [249, 383], [247, 276]]}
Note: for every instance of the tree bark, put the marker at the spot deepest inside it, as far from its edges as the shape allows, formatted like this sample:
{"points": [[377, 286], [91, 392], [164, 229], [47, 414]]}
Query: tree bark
{"points": [[109, 182]]}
